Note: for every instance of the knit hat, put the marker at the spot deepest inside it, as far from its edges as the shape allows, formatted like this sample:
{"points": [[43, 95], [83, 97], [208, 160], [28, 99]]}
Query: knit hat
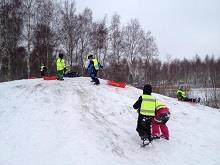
{"points": [[147, 89], [61, 55], [90, 56]]}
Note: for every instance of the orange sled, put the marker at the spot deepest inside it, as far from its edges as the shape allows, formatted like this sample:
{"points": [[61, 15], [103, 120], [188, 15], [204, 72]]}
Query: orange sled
{"points": [[50, 77], [116, 84]]}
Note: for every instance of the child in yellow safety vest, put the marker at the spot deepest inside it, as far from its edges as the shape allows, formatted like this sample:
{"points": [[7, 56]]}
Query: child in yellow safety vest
{"points": [[93, 69], [61, 68], [146, 105], [159, 127]]}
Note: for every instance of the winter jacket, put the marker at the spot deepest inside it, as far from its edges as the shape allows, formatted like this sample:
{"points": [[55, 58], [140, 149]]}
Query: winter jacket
{"points": [[162, 113], [95, 64], [148, 105], [180, 94], [138, 104], [60, 64]]}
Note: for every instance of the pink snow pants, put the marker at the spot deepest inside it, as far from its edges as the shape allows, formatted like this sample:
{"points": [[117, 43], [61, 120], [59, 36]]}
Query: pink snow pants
{"points": [[160, 129]]}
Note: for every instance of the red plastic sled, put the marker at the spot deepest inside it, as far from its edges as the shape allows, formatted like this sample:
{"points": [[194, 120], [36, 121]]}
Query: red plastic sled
{"points": [[116, 84], [50, 77]]}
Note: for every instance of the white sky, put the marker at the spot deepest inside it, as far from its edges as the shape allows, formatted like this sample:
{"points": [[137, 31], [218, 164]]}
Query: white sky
{"points": [[182, 28]]}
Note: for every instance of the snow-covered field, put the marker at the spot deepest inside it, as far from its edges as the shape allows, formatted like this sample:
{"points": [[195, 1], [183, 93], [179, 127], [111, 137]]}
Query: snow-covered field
{"points": [[73, 122], [204, 93]]}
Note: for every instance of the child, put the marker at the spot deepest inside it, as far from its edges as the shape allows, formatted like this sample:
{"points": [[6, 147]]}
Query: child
{"points": [[146, 105], [93, 69], [159, 128]]}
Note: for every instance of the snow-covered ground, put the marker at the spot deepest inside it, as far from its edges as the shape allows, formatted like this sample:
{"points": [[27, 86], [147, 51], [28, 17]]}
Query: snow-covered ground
{"points": [[73, 122], [204, 93]]}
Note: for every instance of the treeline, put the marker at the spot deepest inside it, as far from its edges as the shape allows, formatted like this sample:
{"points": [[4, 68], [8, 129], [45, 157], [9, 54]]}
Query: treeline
{"points": [[36, 31], [195, 73]]}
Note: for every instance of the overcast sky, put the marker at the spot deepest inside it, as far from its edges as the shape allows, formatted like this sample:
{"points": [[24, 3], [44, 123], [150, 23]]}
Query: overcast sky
{"points": [[182, 28]]}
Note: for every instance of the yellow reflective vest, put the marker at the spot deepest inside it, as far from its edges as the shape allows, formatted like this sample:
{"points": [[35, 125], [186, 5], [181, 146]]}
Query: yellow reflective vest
{"points": [[60, 64], [96, 64], [160, 105], [148, 105], [180, 92]]}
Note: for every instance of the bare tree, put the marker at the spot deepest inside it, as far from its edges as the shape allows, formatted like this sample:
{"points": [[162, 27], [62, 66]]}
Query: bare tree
{"points": [[44, 35], [29, 7], [10, 33], [133, 35], [214, 78], [69, 31], [99, 39], [85, 28], [115, 39], [148, 46]]}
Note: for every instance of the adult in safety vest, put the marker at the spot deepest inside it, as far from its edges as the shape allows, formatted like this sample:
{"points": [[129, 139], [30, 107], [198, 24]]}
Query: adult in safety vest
{"points": [[93, 69], [159, 127], [181, 95], [146, 105], [60, 63]]}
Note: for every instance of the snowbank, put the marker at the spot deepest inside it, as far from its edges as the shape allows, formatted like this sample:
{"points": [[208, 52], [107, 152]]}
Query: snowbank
{"points": [[74, 122]]}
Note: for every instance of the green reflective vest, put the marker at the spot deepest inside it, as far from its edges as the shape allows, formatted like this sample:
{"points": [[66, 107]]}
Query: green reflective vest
{"points": [[180, 93], [96, 64], [148, 105], [60, 64]]}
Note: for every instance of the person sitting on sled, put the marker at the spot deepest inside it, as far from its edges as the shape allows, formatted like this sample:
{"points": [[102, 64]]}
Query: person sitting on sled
{"points": [[181, 95], [159, 127], [93, 69], [146, 105]]}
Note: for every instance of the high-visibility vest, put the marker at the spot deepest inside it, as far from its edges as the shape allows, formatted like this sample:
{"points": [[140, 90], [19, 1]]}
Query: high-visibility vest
{"points": [[160, 105], [96, 64], [182, 93], [148, 105], [162, 113], [60, 64]]}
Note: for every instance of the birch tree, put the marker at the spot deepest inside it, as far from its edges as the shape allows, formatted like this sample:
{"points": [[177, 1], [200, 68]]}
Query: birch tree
{"points": [[116, 39], [69, 31], [85, 28]]}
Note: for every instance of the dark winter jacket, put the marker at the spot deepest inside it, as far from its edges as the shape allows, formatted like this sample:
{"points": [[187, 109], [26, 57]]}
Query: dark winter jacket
{"points": [[91, 63], [146, 91], [90, 68], [137, 104]]}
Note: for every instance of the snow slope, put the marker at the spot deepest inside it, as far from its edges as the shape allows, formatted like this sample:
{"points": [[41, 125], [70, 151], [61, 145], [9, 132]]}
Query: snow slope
{"points": [[73, 122]]}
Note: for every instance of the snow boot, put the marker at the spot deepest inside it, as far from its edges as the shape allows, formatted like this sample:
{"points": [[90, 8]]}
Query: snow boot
{"points": [[164, 137], [155, 137]]}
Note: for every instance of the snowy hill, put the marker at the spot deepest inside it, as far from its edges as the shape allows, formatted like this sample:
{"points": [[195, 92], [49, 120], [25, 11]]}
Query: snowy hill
{"points": [[76, 123]]}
